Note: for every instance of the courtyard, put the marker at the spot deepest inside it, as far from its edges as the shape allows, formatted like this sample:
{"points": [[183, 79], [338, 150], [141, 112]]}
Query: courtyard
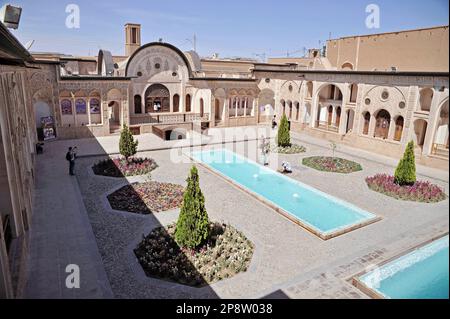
{"points": [[74, 222]]}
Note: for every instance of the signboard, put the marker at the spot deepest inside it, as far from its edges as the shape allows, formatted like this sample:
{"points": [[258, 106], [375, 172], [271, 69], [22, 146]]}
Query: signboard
{"points": [[48, 128]]}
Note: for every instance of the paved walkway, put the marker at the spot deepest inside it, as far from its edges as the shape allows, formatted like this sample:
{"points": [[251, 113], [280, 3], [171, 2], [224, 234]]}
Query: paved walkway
{"points": [[61, 235]]}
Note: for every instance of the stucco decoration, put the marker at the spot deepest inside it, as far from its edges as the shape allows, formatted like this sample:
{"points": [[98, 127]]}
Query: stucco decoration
{"points": [[156, 58]]}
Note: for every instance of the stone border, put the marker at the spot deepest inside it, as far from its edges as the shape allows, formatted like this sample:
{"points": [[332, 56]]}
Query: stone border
{"points": [[372, 293], [106, 156], [128, 178], [141, 276], [331, 172], [321, 235], [107, 205]]}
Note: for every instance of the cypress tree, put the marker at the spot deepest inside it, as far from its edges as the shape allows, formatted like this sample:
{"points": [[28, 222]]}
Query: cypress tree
{"points": [[284, 136], [193, 223], [405, 174], [127, 144]]}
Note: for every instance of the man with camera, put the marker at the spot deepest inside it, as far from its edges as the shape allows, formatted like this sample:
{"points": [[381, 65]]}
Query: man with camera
{"points": [[70, 157]]}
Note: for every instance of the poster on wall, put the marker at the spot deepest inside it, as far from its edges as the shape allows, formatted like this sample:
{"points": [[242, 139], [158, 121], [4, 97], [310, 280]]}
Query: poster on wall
{"points": [[95, 106], [48, 128], [80, 106], [66, 107]]}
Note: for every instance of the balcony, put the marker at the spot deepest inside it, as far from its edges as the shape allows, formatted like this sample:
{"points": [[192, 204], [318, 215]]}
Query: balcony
{"points": [[168, 118]]}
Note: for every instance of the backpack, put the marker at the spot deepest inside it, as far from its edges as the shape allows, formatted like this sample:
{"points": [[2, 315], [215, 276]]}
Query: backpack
{"points": [[68, 156]]}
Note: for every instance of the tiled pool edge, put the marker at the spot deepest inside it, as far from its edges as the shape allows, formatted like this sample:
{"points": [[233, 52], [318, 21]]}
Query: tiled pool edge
{"points": [[321, 235], [373, 293]]}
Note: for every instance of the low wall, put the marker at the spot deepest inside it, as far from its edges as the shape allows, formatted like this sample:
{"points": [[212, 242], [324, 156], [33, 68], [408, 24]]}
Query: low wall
{"points": [[383, 147], [66, 133]]}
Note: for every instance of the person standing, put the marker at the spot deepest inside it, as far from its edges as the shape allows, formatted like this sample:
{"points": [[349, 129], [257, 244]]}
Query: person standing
{"points": [[71, 156], [274, 122]]}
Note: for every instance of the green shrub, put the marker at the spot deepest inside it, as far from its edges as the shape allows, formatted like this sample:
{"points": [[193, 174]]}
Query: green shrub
{"points": [[405, 174], [127, 144], [193, 223], [284, 136]]}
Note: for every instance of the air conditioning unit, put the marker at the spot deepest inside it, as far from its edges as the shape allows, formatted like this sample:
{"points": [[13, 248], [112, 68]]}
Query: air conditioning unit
{"points": [[10, 16]]}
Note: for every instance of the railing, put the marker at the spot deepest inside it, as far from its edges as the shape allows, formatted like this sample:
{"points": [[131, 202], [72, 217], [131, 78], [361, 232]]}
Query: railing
{"points": [[440, 149], [166, 118], [326, 126]]}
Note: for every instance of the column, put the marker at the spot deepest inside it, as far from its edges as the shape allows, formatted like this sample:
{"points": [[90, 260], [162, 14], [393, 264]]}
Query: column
{"points": [[89, 111], [226, 108], [373, 122], [314, 111], [391, 133], [344, 120], [432, 123], [212, 113], [245, 106], [74, 112], [333, 116], [255, 110]]}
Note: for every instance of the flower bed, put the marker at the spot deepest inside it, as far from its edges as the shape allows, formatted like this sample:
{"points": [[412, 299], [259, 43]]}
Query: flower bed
{"points": [[419, 192], [293, 149], [332, 164], [227, 253], [120, 167], [147, 198]]}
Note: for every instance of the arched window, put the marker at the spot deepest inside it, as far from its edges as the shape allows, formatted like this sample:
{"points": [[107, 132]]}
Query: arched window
{"points": [[383, 122], [420, 130], [366, 123], [347, 66], [137, 104], [157, 99], [330, 115], [66, 107], [283, 106], [338, 116], [353, 93], [188, 103], [80, 106], [297, 111], [426, 97], [399, 122], [309, 87], [202, 108], [290, 110], [95, 106], [441, 137], [176, 103]]}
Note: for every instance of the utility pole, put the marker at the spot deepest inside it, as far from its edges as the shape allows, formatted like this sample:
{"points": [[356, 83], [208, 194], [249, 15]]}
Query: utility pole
{"points": [[195, 43]]}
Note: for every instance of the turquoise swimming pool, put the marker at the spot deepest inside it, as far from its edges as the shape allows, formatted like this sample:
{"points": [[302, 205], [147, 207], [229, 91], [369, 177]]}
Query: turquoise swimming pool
{"points": [[421, 274], [313, 209]]}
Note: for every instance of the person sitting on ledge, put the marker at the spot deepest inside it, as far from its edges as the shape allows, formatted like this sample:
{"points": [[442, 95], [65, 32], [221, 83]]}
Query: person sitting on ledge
{"points": [[286, 168]]}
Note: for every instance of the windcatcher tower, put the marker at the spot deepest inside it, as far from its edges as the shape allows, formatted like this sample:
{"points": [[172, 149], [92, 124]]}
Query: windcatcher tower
{"points": [[132, 38]]}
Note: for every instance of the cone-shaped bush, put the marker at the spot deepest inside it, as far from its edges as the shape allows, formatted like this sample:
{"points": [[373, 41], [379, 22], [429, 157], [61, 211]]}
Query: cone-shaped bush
{"points": [[405, 174], [193, 223], [284, 136], [127, 144]]}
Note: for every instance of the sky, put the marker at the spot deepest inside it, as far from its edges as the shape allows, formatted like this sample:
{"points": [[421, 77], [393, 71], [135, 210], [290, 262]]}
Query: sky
{"points": [[244, 28]]}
